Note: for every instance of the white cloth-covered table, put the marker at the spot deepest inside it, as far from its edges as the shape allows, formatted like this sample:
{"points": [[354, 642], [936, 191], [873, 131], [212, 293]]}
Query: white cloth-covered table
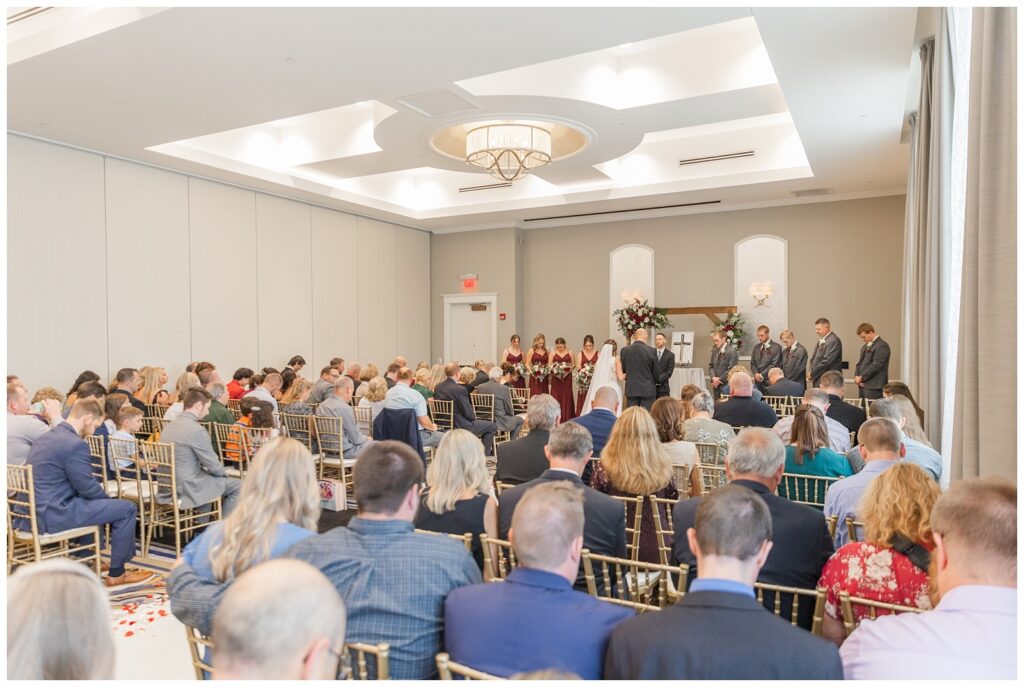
{"points": [[686, 375]]}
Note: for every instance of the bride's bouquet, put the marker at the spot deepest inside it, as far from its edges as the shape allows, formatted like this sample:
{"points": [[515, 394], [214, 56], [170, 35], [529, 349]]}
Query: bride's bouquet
{"points": [[584, 376], [540, 371], [561, 370]]}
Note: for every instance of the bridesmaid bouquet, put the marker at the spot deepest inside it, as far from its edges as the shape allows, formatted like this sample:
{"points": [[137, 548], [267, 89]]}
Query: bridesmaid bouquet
{"points": [[520, 369], [584, 375], [561, 370], [540, 371]]}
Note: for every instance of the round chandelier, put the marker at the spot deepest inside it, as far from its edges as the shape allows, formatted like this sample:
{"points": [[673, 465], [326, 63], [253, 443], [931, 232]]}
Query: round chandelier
{"points": [[508, 151]]}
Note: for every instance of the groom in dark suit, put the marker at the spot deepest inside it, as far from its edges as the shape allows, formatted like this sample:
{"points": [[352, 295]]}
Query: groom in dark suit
{"points": [[665, 365], [873, 366], [638, 363]]}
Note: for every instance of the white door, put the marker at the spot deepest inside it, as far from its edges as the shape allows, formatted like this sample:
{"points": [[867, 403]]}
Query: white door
{"points": [[469, 332]]}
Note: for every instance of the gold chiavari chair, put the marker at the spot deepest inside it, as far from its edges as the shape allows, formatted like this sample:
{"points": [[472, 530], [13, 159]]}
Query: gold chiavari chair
{"points": [[300, 428], [167, 510], [501, 486], [525, 429], [446, 668], [711, 477], [817, 595], [709, 453], [466, 539], [634, 584], [632, 523], [255, 438], [809, 490], [237, 412], [483, 406], [198, 645], [520, 399], [331, 461], [853, 438], [499, 558], [235, 404], [98, 462], [681, 476], [364, 419], [852, 528], [132, 480], [359, 651], [847, 604], [832, 521], [226, 440], [25, 544], [151, 428], [442, 413], [663, 527], [155, 410], [777, 403]]}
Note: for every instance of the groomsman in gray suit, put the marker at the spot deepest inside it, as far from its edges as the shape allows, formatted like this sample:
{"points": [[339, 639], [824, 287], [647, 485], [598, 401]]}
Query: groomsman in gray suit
{"points": [[828, 353], [794, 359], [723, 358], [665, 365], [766, 355], [873, 366]]}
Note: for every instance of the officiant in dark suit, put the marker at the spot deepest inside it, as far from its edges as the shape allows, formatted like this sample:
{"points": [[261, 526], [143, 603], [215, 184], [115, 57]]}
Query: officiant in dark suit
{"points": [[766, 355], [639, 363], [873, 366], [665, 365]]}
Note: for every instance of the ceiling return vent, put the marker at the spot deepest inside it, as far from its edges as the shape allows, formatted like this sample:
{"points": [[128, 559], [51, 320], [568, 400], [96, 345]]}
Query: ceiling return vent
{"points": [[716, 158], [618, 212], [24, 13], [437, 103], [812, 192], [485, 187]]}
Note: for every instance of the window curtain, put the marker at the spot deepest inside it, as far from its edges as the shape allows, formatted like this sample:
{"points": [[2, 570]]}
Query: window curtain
{"points": [[984, 433]]}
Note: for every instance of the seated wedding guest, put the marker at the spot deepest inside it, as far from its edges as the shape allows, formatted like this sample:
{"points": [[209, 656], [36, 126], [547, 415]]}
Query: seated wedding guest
{"points": [[297, 402], [731, 538], [87, 376], [282, 620], [524, 459], [338, 364], [800, 545], [339, 404], [239, 383], [153, 381], [544, 622], [422, 365], [203, 366], [459, 497], [367, 373], [741, 410], [686, 396], [354, 371], [186, 381], [849, 415], [891, 564], [603, 413], [58, 623], [376, 390], [68, 496], [464, 417], [778, 385], [504, 414], [111, 407], [255, 381], [668, 418], [268, 389], [391, 375], [701, 427], [128, 422], [838, 435], [466, 377], [402, 396], [880, 446], [128, 382], [808, 453], [24, 428], [901, 389], [422, 381], [481, 369], [635, 463], [971, 634], [437, 376], [288, 378], [89, 390], [755, 392], [919, 449], [324, 386], [393, 580], [47, 393], [219, 411], [568, 450], [296, 363], [201, 476]]}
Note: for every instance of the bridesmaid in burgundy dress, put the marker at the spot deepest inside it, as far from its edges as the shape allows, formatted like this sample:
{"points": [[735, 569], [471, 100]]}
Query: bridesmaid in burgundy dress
{"points": [[539, 355], [513, 355], [561, 387], [587, 356]]}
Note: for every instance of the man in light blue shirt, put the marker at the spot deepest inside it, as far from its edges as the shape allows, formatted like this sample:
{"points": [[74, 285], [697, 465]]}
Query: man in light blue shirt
{"points": [[402, 396], [880, 446]]}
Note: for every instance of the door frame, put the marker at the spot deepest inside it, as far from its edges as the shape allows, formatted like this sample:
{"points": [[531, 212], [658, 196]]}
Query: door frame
{"points": [[450, 299]]}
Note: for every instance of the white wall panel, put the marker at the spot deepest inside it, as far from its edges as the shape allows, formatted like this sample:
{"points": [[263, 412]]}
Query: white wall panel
{"points": [[412, 267], [335, 304], [149, 322], [284, 288], [222, 249], [376, 292], [56, 264]]}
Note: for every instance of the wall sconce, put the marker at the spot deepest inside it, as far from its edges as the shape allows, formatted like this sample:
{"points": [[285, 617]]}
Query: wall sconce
{"points": [[761, 292]]}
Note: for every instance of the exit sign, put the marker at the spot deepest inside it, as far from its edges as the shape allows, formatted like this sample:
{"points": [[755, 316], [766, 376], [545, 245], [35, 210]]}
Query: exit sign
{"points": [[469, 281]]}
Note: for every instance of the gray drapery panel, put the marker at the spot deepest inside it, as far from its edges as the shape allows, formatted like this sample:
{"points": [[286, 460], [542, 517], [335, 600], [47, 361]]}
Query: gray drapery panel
{"points": [[927, 242], [984, 437]]}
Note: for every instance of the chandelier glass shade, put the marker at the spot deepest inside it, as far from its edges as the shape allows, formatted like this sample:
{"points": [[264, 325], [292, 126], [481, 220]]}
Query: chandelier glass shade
{"points": [[508, 151]]}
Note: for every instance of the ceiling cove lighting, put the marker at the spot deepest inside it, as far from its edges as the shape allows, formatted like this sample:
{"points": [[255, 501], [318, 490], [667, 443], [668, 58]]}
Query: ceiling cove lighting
{"points": [[508, 151]]}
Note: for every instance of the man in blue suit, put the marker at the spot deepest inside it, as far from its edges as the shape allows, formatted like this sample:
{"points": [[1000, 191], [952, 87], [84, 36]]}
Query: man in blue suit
{"points": [[535, 620], [599, 421], [68, 496]]}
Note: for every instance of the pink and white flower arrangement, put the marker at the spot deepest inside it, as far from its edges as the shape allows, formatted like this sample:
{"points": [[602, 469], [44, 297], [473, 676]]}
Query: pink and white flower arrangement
{"points": [[639, 314]]}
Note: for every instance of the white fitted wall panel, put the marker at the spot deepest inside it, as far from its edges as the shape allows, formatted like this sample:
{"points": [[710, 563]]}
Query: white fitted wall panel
{"points": [[149, 322], [376, 292], [412, 267], [56, 264], [335, 305], [222, 250], [283, 251]]}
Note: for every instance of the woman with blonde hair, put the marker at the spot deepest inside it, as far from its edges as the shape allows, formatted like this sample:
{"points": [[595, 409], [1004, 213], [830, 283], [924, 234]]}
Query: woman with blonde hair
{"points": [[891, 564], [376, 390], [912, 428], [436, 377], [635, 463], [459, 497], [365, 375], [152, 386], [537, 365], [186, 381], [279, 505], [422, 382], [296, 394], [58, 623], [466, 377]]}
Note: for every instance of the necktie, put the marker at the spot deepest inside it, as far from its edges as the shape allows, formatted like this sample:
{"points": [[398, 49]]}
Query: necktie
{"points": [[659, 354], [786, 354]]}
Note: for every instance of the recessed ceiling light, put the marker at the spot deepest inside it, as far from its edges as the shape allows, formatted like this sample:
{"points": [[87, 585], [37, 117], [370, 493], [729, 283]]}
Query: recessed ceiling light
{"points": [[626, 45]]}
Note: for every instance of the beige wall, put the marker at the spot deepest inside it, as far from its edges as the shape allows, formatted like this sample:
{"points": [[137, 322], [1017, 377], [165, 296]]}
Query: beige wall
{"points": [[845, 263]]}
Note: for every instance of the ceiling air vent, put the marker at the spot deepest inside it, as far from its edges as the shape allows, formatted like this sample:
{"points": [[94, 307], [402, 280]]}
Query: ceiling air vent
{"points": [[716, 158], [17, 14], [812, 192], [485, 187], [616, 212], [437, 103]]}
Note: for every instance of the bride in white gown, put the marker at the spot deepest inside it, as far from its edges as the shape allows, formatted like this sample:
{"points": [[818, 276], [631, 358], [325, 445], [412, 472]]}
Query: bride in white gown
{"points": [[607, 372]]}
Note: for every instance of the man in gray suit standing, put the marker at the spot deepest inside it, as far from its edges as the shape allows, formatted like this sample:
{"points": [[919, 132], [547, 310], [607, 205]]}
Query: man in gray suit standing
{"points": [[766, 355], [638, 364], [723, 358], [794, 359], [201, 477], [873, 365], [828, 353]]}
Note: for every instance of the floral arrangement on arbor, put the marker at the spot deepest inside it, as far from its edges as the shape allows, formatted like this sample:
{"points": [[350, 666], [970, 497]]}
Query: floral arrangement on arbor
{"points": [[584, 376], [732, 329], [539, 371], [639, 314], [560, 370]]}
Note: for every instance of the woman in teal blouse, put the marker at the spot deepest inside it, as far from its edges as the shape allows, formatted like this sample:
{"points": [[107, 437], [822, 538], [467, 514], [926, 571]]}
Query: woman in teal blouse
{"points": [[808, 452]]}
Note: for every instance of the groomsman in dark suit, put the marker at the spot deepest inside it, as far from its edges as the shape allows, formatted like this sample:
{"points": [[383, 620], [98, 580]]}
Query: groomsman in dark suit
{"points": [[828, 353], [723, 358], [794, 359], [664, 366], [766, 355], [873, 365]]}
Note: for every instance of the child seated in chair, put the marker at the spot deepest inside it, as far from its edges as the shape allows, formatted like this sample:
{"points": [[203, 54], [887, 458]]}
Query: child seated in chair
{"points": [[129, 423]]}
